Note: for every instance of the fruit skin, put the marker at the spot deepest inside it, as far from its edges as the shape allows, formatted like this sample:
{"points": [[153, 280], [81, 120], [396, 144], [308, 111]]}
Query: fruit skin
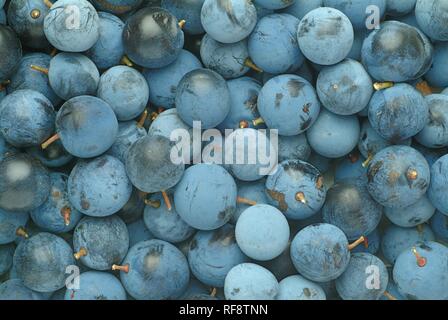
{"points": [[10, 51], [370, 142], [117, 6], [205, 198], [49, 216], [320, 252], [431, 17], [157, 271], [254, 191], [108, 50], [212, 254], [298, 288], [76, 38], [163, 82], [398, 113], [25, 183], [333, 136], [96, 285], [411, 216], [106, 241], [73, 75], [87, 126], [274, 4], [388, 180], [27, 78], [273, 44], [202, 95], [350, 207], [356, 10], [9, 223], [396, 52], [437, 75], [399, 8], [227, 59], [434, 134], [164, 224], [128, 133], [423, 283], [249, 281], [148, 48], [301, 7], [325, 36], [397, 239], [43, 272], [351, 168], [125, 90], [26, 118], [352, 284], [439, 224], [293, 147], [138, 232], [437, 187], [99, 187], [2, 16], [289, 104], [244, 93], [291, 177], [149, 166], [14, 289], [30, 30], [228, 21], [258, 225], [345, 88], [189, 10], [6, 256]]}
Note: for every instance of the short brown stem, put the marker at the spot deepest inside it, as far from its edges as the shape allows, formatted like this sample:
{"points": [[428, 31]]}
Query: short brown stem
{"points": [[243, 124], [246, 201], [21, 232], [411, 174], [320, 182], [258, 121], [250, 64], [213, 292], [182, 24], [124, 268], [50, 140], [167, 201], [424, 88], [126, 61], [421, 261], [81, 253], [53, 52], [353, 157], [40, 69], [389, 296], [35, 13], [382, 85], [353, 245], [300, 197], [143, 117], [48, 3], [366, 163]]}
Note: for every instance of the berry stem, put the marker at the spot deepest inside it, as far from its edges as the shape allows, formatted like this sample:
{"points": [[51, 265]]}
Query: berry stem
{"points": [[382, 85], [245, 201], [300, 197], [243, 124], [40, 69], [81, 253], [124, 268], [389, 296], [142, 119], [258, 121], [48, 3], [213, 292], [182, 24], [424, 88], [50, 140], [353, 245], [126, 61], [167, 200], [250, 64], [421, 261], [21, 232], [366, 163], [53, 52]]}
